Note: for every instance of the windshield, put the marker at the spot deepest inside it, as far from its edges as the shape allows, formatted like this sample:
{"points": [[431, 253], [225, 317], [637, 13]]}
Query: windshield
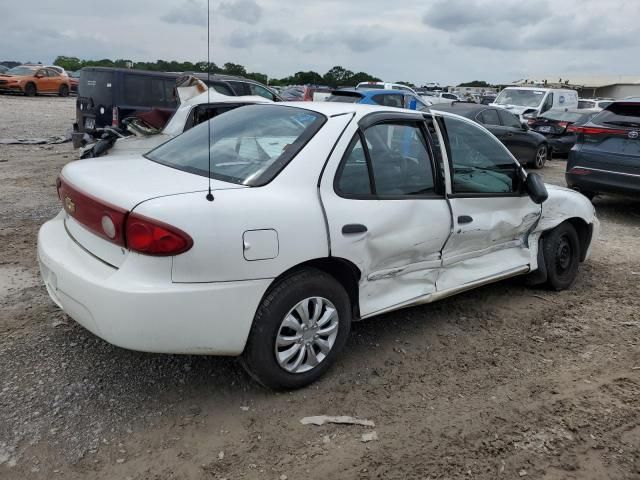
{"points": [[249, 145], [520, 98], [21, 71]]}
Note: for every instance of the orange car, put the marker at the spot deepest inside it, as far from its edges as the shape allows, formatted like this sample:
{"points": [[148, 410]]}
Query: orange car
{"points": [[31, 80]]}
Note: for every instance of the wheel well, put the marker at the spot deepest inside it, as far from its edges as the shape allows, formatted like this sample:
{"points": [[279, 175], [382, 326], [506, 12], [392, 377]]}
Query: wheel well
{"points": [[584, 231], [344, 271]]}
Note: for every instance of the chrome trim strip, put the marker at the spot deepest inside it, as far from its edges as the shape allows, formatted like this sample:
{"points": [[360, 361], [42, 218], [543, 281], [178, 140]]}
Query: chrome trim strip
{"points": [[606, 171]]}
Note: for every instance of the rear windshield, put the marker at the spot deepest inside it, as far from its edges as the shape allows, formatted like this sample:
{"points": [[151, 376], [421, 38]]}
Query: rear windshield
{"points": [[96, 85], [149, 91], [344, 97], [623, 114], [249, 145]]}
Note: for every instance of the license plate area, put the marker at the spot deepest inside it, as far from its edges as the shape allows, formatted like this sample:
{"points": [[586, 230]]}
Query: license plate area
{"points": [[544, 129], [89, 123]]}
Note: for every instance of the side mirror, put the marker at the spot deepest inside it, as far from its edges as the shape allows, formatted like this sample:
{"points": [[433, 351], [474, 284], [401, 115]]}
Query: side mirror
{"points": [[536, 188], [39, 75]]}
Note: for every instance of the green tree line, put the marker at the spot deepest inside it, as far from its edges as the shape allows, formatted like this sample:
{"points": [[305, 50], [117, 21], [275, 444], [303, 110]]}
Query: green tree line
{"points": [[335, 77]]}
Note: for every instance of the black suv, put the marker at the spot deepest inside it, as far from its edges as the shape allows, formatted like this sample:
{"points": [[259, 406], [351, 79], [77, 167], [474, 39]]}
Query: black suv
{"points": [[106, 95]]}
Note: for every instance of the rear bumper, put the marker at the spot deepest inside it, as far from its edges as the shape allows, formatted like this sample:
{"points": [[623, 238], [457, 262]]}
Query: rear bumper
{"points": [[601, 180], [561, 144], [138, 307]]}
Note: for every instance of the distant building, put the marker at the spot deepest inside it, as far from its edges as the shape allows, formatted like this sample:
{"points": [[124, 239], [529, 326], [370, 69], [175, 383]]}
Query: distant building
{"points": [[590, 86], [471, 90]]}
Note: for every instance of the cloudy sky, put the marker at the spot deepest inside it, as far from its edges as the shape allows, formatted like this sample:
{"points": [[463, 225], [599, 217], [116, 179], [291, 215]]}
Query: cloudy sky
{"points": [[447, 41]]}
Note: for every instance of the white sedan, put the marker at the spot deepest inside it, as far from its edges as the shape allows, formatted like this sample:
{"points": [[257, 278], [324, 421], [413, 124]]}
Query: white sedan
{"points": [[266, 231]]}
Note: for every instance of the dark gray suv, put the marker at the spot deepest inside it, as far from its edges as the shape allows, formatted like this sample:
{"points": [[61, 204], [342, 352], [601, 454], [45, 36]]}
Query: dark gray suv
{"points": [[606, 156]]}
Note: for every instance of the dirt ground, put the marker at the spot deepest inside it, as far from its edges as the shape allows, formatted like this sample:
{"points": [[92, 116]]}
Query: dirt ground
{"points": [[502, 382]]}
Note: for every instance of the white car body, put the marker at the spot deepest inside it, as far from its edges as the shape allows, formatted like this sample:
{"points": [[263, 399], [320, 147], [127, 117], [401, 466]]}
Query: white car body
{"points": [[204, 301], [441, 97], [587, 105], [543, 100]]}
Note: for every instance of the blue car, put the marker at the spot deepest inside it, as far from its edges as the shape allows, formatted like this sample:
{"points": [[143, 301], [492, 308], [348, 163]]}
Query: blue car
{"points": [[606, 157], [387, 98]]}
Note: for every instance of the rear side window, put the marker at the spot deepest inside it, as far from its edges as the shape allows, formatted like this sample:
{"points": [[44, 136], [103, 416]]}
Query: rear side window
{"points": [[388, 100], [147, 91], [344, 98], [96, 85], [490, 117], [223, 89], [394, 163], [240, 88], [248, 145], [624, 114]]}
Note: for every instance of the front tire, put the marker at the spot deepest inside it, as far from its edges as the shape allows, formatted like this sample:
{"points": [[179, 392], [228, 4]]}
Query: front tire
{"points": [[562, 256], [300, 327], [64, 91], [540, 157], [30, 90]]}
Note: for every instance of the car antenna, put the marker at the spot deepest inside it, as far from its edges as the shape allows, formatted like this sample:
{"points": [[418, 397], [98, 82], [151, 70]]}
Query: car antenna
{"points": [[209, 194]]}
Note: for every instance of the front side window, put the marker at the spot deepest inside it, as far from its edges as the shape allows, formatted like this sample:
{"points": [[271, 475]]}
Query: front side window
{"points": [[394, 162], [248, 145], [548, 103], [480, 164]]}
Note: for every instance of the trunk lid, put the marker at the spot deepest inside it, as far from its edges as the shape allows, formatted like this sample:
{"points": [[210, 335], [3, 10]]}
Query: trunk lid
{"points": [[114, 186]]}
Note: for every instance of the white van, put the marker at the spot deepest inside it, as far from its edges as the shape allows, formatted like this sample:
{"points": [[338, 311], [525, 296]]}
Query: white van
{"points": [[532, 102]]}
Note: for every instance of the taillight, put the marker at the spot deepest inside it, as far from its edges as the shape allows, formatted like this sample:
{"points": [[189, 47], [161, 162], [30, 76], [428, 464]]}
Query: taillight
{"points": [[117, 225], [101, 218], [563, 124], [602, 131], [115, 117], [151, 237], [574, 129], [308, 95], [531, 121]]}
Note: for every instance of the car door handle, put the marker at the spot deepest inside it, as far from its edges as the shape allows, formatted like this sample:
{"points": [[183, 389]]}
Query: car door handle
{"points": [[352, 228], [509, 134], [465, 219]]}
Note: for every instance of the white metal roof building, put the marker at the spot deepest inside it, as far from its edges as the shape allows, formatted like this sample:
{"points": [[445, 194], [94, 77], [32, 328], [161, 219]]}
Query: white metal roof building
{"points": [[591, 86]]}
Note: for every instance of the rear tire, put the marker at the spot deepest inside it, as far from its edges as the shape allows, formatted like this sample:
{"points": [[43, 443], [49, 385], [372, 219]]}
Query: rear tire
{"points": [[561, 256], [30, 90], [283, 351], [540, 158], [64, 91]]}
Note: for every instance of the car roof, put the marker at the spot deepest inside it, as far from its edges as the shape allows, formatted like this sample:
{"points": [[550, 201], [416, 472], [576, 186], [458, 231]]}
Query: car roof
{"points": [[214, 96], [465, 109], [372, 91]]}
